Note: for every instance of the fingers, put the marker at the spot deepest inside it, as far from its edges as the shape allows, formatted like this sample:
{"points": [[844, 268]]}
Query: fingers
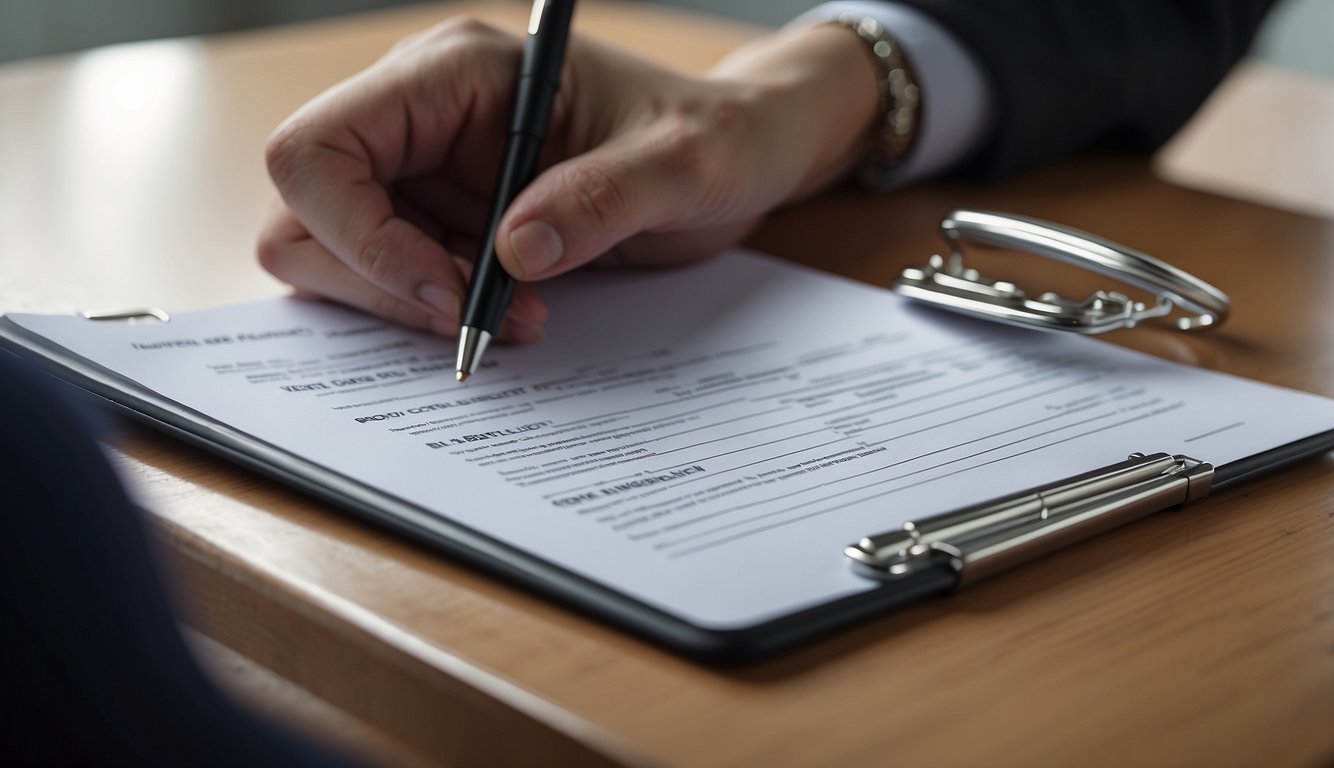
{"points": [[288, 251], [335, 160], [680, 171], [326, 179], [387, 177], [446, 206]]}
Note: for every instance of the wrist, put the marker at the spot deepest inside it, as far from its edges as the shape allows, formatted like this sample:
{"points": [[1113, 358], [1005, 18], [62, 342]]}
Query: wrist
{"points": [[818, 98]]}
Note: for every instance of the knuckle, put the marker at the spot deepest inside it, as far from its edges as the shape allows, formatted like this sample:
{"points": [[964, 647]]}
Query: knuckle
{"points": [[460, 25], [285, 153], [702, 150], [457, 30], [702, 135], [374, 258], [461, 49], [270, 254], [409, 42], [601, 194], [278, 151], [686, 150]]}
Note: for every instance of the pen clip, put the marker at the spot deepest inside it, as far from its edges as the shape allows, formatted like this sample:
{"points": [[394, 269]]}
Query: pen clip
{"points": [[988, 538], [535, 16]]}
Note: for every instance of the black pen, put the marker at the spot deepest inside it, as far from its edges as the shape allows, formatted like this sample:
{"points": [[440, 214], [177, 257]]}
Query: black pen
{"points": [[491, 287]]}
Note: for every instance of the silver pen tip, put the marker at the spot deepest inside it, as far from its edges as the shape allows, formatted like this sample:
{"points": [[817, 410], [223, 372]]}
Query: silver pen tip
{"points": [[472, 345]]}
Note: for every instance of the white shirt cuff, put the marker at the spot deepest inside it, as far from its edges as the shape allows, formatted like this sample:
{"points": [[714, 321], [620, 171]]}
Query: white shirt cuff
{"points": [[957, 102]]}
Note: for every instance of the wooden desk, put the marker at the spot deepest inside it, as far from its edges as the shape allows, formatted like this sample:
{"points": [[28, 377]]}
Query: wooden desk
{"points": [[133, 176]]}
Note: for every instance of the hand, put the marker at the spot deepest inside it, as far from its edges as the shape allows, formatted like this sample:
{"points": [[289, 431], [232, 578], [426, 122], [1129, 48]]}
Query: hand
{"points": [[386, 179]]}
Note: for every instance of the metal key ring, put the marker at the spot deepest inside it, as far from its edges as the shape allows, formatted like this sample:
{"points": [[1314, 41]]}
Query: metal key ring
{"points": [[947, 283]]}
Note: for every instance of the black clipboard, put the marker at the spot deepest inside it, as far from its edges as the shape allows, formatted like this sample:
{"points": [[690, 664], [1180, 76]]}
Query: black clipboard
{"points": [[937, 555]]}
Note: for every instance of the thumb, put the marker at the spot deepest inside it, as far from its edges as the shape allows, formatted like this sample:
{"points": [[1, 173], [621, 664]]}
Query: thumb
{"points": [[583, 207]]}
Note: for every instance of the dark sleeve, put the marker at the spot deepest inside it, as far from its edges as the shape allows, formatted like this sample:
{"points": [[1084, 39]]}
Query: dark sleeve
{"points": [[95, 670], [1073, 74]]}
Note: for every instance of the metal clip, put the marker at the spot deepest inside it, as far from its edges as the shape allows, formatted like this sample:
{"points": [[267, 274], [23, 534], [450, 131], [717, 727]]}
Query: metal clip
{"points": [[945, 281], [129, 315], [980, 541]]}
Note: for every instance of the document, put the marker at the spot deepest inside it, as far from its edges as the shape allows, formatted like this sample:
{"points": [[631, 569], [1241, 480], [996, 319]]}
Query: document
{"points": [[706, 439]]}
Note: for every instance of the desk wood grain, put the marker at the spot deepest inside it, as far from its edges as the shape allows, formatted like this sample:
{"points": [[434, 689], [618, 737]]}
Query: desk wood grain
{"points": [[1199, 637]]}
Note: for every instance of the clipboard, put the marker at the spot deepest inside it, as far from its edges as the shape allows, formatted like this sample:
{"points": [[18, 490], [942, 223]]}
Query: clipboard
{"points": [[902, 564]]}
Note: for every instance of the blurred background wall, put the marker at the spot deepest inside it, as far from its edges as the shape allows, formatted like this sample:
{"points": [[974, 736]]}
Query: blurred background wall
{"points": [[1299, 35]]}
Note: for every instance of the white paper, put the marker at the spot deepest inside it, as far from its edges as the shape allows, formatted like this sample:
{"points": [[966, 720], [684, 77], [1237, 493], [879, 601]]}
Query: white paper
{"points": [[706, 439]]}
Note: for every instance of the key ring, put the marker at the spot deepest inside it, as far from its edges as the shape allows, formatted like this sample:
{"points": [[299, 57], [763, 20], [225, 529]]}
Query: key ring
{"points": [[945, 282]]}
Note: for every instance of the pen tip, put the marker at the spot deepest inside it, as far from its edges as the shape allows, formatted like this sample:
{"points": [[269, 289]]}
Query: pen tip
{"points": [[472, 343]]}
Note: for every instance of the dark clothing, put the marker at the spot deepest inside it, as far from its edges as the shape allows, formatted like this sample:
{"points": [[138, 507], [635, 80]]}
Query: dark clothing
{"points": [[1072, 74], [94, 667]]}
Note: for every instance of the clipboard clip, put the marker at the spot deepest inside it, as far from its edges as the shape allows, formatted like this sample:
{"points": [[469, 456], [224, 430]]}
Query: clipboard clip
{"points": [[945, 282], [983, 540], [129, 315]]}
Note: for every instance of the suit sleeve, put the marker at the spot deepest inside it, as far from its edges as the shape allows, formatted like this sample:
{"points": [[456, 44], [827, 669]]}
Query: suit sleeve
{"points": [[1111, 73]]}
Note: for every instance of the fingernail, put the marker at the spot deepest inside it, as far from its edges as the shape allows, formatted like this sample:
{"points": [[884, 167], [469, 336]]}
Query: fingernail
{"points": [[537, 245], [441, 299]]}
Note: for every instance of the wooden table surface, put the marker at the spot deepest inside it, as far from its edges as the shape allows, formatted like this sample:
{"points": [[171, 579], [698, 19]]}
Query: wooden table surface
{"points": [[133, 175]]}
